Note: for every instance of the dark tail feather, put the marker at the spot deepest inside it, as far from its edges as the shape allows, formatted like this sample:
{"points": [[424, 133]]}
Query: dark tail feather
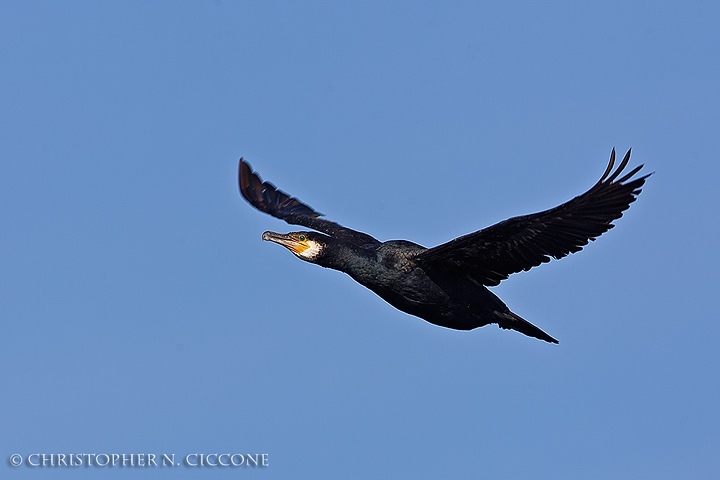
{"points": [[511, 321]]}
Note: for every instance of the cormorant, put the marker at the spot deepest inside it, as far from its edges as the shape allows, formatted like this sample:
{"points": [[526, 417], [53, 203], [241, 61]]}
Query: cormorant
{"points": [[446, 285]]}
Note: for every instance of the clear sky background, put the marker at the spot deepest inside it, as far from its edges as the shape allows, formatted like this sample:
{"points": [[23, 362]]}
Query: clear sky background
{"points": [[141, 313]]}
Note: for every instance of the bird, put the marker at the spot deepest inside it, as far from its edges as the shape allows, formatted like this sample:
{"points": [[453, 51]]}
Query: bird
{"points": [[447, 285]]}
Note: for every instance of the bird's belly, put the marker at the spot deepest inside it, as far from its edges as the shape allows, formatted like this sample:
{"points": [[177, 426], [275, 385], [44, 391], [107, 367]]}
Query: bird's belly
{"points": [[454, 306], [419, 297]]}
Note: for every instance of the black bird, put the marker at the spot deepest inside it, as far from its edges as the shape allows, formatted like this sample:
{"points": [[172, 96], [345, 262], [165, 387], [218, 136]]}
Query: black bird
{"points": [[446, 285]]}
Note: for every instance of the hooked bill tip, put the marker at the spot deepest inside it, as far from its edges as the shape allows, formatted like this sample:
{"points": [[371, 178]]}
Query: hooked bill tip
{"points": [[272, 236]]}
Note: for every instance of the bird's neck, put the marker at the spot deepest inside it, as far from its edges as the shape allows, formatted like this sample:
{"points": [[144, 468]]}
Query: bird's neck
{"points": [[345, 257]]}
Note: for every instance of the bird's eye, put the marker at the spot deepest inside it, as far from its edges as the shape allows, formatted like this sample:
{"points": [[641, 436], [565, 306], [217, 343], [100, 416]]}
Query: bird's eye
{"points": [[302, 238]]}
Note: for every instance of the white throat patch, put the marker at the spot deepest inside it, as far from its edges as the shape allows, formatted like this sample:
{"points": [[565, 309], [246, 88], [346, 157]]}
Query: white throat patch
{"points": [[312, 251]]}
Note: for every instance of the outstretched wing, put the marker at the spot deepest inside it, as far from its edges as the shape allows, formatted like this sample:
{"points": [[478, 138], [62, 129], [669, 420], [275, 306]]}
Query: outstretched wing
{"points": [[490, 255], [268, 199]]}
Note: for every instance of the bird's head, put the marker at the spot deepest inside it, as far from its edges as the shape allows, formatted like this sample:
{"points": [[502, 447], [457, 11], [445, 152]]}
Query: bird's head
{"points": [[307, 246]]}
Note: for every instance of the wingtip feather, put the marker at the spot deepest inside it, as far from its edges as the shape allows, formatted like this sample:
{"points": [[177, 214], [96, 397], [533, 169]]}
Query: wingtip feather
{"points": [[609, 168]]}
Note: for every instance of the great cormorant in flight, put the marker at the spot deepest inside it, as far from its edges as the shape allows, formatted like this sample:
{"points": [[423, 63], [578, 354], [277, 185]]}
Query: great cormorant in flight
{"points": [[446, 285]]}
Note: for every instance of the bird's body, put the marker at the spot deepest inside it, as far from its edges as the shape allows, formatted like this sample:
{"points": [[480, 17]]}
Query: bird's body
{"points": [[446, 285]]}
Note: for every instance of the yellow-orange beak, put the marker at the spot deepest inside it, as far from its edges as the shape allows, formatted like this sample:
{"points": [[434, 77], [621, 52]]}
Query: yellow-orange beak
{"points": [[296, 243]]}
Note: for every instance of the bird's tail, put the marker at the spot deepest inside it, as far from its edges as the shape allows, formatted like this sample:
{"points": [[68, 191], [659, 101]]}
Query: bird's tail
{"points": [[511, 321]]}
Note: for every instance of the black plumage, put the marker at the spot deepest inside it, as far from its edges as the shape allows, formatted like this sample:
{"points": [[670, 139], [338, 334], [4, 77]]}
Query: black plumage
{"points": [[446, 285]]}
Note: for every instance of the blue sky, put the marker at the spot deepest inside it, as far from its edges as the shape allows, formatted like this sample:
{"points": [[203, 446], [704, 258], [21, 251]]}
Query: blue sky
{"points": [[141, 313]]}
